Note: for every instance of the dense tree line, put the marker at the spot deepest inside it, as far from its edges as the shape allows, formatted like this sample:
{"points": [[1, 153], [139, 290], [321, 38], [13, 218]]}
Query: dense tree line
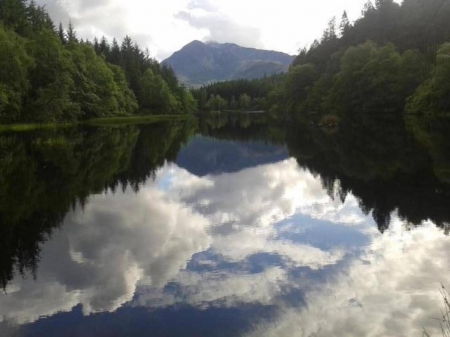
{"points": [[240, 94], [48, 74], [391, 60]]}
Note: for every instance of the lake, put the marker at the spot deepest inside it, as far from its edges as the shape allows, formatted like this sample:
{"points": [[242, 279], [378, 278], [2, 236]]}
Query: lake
{"points": [[226, 225]]}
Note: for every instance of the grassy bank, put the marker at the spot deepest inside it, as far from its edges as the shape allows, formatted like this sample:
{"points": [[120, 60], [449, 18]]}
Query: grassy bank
{"points": [[95, 122], [30, 127]]}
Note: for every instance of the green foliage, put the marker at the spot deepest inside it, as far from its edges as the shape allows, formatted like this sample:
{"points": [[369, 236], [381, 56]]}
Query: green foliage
{"points": [[373, 65], [95, 86], [257, 90], [244, 101], [415, 69], [299, 81], [49, 75], [433, 97], [126, 99], [14, 16], [369, 80], [155, 94], [428, 114], [14, 82], [50, 98], [188, 102], [216, 103]]}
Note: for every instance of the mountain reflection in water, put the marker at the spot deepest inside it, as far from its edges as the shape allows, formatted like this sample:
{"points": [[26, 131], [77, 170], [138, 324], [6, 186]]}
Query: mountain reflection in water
{"points": [[229, 225]]}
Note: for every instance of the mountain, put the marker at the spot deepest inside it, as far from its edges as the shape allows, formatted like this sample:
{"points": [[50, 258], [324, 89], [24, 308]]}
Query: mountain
{"points": [[200, 63], [204, 156]]}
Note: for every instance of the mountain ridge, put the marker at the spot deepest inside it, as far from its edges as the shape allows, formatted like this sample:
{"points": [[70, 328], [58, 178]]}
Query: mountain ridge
{"points": [[199, 63]]}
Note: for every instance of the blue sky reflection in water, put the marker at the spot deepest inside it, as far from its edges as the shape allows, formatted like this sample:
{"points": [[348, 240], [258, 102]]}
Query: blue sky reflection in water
{"points": [[258, 251]]}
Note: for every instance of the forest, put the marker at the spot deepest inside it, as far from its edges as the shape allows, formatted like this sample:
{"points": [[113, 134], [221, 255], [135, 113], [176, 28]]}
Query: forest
{"points": [[48, 74], [393, 61]]}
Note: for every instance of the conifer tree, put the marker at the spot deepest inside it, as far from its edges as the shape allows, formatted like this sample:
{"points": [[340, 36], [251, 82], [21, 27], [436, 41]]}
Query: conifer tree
{"points": [[62, 34], [71, 34], [13, 14], [344, 25], [104, 46], [115, 56]]}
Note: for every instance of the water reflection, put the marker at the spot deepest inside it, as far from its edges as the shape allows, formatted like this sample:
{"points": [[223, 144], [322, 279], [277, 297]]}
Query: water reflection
{"points": [[389, 291], [101, 252], [124, 233], [44, 174], [205, 237]]}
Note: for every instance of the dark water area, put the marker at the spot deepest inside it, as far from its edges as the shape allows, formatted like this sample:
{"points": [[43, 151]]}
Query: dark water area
{"points": [[225, 225]]}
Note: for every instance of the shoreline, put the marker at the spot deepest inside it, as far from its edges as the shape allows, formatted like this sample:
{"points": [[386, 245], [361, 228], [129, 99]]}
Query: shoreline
{"points": [[17, 127]]}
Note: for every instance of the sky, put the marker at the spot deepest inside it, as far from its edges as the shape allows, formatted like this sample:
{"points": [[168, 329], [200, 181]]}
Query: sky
{"points": [[166, 26]]}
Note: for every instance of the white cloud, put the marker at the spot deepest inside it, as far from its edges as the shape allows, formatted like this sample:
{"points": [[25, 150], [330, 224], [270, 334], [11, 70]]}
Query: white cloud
{"points": [[153, 24], [283, 25], [393, 290], [223, 29]]}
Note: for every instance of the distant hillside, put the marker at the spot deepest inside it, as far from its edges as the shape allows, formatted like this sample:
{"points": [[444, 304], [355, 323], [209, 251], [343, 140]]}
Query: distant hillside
{"points": [[200, 63]]}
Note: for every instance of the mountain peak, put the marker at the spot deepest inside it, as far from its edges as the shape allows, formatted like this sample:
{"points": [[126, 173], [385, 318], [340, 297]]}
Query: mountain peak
{"points": [[194, 43], [199, 63]]}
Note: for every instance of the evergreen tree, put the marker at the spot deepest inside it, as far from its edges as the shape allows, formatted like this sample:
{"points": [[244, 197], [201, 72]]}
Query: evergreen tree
{"points": [[71, 34], [62, 34], [96, 46], [115, 56], [330, 32], [13, 13], [104, 47], [344, 26]]}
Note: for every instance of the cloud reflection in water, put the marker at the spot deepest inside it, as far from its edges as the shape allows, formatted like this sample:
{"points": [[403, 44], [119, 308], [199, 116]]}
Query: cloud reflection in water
{"points": [[203, 236], [392, 290]]}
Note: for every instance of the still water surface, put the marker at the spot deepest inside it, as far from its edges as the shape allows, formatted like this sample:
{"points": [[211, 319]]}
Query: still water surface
{"points": [[166, 230]]}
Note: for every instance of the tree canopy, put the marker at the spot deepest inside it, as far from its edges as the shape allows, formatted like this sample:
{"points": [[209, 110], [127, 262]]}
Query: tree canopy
{"points": [[49, 75]]}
